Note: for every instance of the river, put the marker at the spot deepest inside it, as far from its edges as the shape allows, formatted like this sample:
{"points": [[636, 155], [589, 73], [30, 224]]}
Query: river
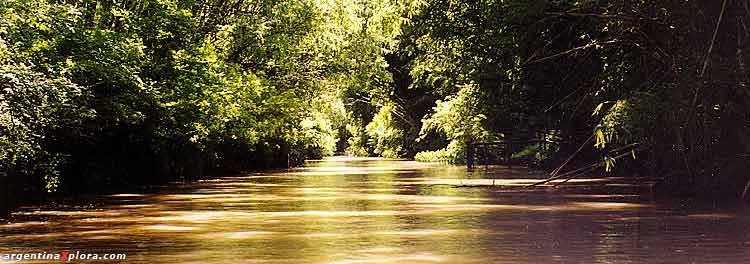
{"points": [[361, 210]]}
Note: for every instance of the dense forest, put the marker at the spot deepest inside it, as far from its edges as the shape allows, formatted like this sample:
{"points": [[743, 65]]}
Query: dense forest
{"points": [[115, 94]]}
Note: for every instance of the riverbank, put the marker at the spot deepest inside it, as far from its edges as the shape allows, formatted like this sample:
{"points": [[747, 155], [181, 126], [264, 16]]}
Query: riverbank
{"points": [[22, 195]]}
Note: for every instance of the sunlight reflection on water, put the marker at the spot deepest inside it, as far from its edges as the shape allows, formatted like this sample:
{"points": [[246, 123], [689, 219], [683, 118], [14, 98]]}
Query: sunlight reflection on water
{"points": [[343, 210]]}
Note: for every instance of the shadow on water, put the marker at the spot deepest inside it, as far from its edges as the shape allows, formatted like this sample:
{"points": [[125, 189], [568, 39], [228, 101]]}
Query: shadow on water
{"points": [[345, 210]]}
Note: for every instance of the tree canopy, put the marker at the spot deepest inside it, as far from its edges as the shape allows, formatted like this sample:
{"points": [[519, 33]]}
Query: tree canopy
{"points": [[121, 93]]}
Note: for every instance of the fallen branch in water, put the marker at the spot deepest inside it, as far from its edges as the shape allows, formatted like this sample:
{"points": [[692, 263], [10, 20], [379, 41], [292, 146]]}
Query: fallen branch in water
{"points": [[573, 172], [744, 192], [557, 170], [577, 172], [571, 176]]}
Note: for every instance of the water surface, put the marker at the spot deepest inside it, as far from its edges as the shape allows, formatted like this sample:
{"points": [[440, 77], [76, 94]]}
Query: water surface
{"points": [[344, 210]]}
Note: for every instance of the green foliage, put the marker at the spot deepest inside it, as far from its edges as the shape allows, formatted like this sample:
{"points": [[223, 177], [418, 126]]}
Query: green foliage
{"points": [[358, 140], [106, 93], [385, 137], [459, 118], [36, 110], [318, 132], [532, 151], [454, 153], [432, 156], [176, 85], [628, 121], [664, 78]]}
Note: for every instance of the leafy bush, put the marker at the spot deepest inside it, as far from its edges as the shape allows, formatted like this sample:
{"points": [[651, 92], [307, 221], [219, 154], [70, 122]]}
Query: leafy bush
{"points": [[384, 136], [358, 141], [36, 111], [458, 118]]}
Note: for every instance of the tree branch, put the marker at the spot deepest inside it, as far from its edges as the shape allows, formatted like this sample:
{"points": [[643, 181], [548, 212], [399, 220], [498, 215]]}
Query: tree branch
{"points": [[713, 39], [590, 45], [603, 16]]}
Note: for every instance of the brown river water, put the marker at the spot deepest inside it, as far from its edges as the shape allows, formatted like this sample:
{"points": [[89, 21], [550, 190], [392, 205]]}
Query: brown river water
{"points": [[347, 210]]}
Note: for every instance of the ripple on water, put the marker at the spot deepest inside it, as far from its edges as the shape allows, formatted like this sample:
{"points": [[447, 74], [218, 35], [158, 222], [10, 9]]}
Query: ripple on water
{"points": [[369, 210]]}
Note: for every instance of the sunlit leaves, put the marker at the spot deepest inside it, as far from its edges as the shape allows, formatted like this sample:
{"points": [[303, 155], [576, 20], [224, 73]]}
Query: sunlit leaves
{"points": [[385, 137], [164, 81], [459, 118], [33, 107]]}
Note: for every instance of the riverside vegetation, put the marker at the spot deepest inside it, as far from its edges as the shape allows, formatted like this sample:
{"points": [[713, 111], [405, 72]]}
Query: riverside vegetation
{"points": [[112, 94]]}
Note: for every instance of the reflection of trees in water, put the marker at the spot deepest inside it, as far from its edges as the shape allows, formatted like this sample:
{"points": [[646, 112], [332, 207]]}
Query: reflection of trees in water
{"points": [[394, 214]]}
